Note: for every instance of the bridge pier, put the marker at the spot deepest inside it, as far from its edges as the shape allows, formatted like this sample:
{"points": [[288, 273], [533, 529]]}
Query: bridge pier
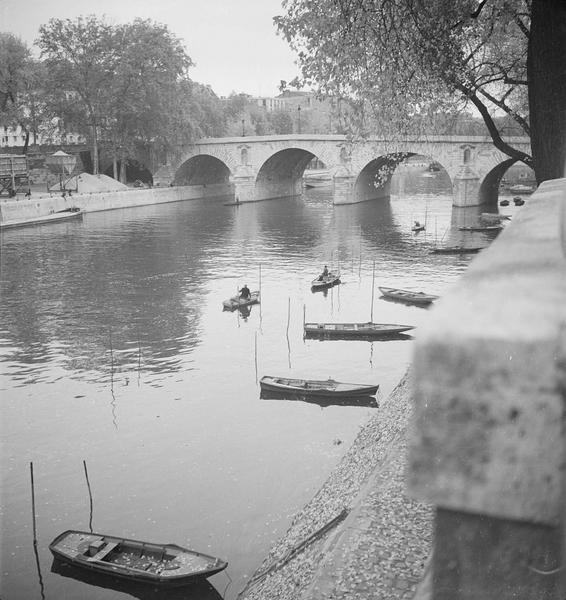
{"points": [[466, 188]]}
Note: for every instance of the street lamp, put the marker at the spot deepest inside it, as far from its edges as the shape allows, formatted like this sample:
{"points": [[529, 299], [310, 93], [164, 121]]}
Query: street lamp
{"points": [[298, 120], [243, 128]]}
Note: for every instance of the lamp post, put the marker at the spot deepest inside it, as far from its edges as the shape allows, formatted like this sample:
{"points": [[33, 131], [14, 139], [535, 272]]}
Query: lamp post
{"points": [[298, 120], [243, 129]]}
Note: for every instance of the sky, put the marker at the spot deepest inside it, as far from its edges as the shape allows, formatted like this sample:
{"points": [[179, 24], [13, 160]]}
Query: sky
{"points": [[233, 42]]}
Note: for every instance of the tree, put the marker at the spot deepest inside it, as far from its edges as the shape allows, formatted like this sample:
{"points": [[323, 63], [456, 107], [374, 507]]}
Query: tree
{"points": [[400, 61]]}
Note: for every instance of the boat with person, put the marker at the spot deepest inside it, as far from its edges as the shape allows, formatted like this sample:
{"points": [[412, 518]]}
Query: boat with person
{"points": [[504, 202], [355, 330], [166, 565], [328, 388], [325, 281], [518, 201], [238, 302], [408, 296]]}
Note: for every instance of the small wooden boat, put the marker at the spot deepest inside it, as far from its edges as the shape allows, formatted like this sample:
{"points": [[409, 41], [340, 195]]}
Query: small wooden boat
{"points": [[322, 401], [504, 203], [55, 217], [494, 217], [236, 302], [457, 250], [481, 228], [407, 295], [418, 227], [325, 281], [166, 565], [313, 387], [520, 188], [354, 330], [518, 201]]}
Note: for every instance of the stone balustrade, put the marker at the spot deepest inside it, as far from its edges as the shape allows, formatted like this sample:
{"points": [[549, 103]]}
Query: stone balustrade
{"points": [[487, 436]]}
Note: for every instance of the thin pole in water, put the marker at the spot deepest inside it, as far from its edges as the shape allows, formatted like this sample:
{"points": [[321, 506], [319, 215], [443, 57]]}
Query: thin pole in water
{"points": [[89, 495], [33, 503], [372, 290], [255, 354]]}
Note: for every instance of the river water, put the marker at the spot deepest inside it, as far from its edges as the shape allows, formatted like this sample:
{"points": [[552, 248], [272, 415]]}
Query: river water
{"points": [[136, 397]]}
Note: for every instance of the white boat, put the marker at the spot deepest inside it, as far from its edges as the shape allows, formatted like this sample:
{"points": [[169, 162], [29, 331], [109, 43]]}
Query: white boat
{"points": [[407, 295], [63, 215], [326, 281]]}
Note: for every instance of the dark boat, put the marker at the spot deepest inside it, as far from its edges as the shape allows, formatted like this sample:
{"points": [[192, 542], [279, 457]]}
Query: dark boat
{"points": [[236, 302], [322, 401], [407, 295], [62, 215], [504, 203], [481, 228], [457, 250], [355, 330], [166, 565], [325, 281], [327, 388], [199, 589], [518, 201]]}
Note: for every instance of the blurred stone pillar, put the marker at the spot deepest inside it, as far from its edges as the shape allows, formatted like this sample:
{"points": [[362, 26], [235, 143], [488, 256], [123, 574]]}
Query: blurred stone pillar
{"points": [[465, 187], [487, 436]]}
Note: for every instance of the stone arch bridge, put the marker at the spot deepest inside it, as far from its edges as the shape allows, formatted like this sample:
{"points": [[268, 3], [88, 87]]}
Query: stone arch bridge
{"points": [[264, 167]]}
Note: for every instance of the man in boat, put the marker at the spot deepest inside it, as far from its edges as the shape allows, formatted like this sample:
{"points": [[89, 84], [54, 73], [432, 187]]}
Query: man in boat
{"points": [[245, 293], [324, 273], [417, 225]]}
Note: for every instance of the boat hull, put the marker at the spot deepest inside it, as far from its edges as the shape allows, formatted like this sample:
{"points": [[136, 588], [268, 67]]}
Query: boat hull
{"points": [[164, 565], [457, 250], [237, 302], [56, 217], [408, 296], [330, 280], [355, 330], [318, 388]]}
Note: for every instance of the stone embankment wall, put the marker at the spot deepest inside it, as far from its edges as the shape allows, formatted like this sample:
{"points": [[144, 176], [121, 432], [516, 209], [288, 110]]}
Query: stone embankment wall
{"points": [[487, 445], [22, 209]]}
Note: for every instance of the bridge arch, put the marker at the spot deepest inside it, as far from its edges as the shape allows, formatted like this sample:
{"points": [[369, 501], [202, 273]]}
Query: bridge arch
{"points": [[281, 174], [374, 179], [202, 169]]}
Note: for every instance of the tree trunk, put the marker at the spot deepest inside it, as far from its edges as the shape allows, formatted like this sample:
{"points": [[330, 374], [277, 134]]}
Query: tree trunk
{"points": [[95, 149], [115, 166], [546, 69]]}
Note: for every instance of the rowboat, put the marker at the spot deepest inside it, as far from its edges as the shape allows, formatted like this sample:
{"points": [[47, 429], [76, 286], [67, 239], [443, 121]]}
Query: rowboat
{"points": [[325, 281], [408, 295], [236, 302], [355, 330], [518, 201], [55, 217], [481, 228], [457, 250], [313, 387], [504, 203], [417, 228], [166, 565], [322, 401], [494, 217]]}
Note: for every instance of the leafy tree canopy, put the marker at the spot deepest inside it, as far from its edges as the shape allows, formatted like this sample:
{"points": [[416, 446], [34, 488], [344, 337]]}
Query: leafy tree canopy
{"points": [[400, 63]]}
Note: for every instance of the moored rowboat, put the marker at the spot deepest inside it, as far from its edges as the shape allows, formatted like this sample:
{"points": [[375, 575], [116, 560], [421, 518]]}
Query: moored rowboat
{"points": [[62, 215], [313, 387], [165, 565], [481, 228], [408, 295], [237, 302], [457, 250], [354, 330]]}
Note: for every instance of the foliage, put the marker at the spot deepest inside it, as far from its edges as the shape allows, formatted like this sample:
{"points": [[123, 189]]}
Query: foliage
{"points": [[400, 63]]}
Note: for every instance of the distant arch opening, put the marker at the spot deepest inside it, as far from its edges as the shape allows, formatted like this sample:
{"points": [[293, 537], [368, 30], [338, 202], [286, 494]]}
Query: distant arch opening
{"points": [[509, 178], [202, 170]]}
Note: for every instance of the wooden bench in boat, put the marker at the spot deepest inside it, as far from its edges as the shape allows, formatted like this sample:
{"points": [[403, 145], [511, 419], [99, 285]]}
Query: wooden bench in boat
{"points": [[104, 552]]}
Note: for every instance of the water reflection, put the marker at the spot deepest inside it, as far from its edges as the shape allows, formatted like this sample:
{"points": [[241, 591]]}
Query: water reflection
{"points": [[200, 590]]}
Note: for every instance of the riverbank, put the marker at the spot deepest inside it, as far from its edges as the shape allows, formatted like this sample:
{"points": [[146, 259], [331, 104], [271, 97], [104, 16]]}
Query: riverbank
{"points": [[19, 210], [380, 549]]}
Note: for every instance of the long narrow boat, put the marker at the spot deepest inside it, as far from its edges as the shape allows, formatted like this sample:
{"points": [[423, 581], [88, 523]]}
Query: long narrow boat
{"points": [[354, 330], [166, 565], [236, 302], [313, 387], [494, 217], [481, 228], [457, 250], [322, 401], [407, 295], [325, 281], [63, 215]]}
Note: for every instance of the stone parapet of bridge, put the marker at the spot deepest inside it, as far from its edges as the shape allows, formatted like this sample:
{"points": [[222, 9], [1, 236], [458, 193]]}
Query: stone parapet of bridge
{"points": [[262, 167], [487, 443]]}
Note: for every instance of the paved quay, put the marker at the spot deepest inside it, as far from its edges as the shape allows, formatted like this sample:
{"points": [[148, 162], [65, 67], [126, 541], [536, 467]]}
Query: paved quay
{"points": [[380, 549]]}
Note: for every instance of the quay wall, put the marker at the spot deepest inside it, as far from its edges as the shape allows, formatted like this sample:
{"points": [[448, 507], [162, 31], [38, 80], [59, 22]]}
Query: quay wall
{"points": [[487, 442], [22, 209]]}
